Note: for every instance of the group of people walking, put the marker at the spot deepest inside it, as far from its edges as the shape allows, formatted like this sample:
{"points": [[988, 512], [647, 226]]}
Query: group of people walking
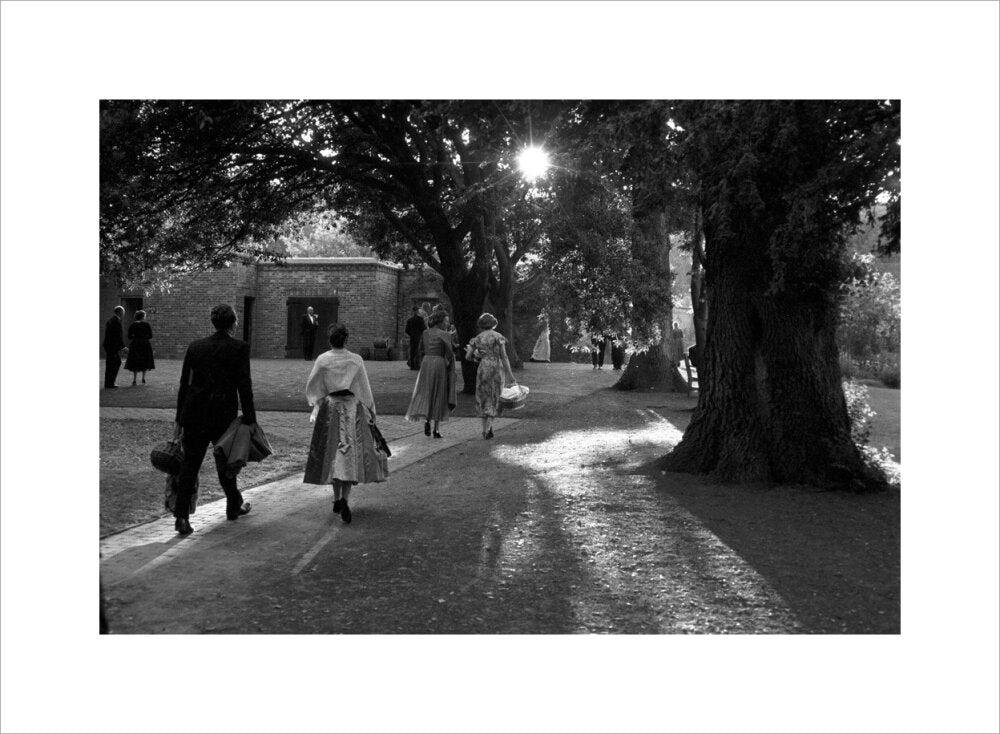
{"points": [[346, 447], [139, 352]]}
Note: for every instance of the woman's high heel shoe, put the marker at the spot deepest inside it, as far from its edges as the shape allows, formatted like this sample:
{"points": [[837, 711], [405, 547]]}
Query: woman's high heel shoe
{"points": [[437, 435], [183, 526], [489, 433], [427, 428]]}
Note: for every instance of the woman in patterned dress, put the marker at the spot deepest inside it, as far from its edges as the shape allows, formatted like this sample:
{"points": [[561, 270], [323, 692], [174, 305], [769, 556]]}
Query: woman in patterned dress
{"points": [[434, 394], [494, 373], [342, 451]]}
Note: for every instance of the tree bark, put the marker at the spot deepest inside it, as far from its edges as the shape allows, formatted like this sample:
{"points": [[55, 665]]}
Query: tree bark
{"points": [[771, 407], [699, 298]]}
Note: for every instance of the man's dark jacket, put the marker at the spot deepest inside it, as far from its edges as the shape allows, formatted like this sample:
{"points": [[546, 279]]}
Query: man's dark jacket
{"points": [[307, 328], [113, 342], [215, 382], [415, 327]]}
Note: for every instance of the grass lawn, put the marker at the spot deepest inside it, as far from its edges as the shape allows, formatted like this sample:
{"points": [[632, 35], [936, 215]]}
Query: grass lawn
{"points": [[885, 425], [132, 490]]}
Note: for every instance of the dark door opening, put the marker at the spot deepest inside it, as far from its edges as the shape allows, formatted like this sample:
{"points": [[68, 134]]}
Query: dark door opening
{"points": [[248, 321], [324, 308], [131, 305]]}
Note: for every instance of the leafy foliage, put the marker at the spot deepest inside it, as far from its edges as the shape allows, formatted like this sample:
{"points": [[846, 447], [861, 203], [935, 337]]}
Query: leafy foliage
{"points": [[860, 414], [869, 311]]}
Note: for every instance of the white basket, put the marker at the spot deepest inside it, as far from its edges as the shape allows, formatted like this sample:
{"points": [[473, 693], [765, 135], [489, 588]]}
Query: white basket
{"points": [[513, 396]]}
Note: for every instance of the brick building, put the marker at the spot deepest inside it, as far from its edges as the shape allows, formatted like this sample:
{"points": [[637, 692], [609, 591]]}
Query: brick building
{"points": [[373, 298]]}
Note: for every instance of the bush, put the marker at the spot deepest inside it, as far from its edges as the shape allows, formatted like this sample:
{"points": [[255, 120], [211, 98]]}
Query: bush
{"points": [[861, 414]]}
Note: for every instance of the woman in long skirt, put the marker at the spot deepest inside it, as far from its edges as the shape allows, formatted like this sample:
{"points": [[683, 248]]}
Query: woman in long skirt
{"points": [[494, 372], [342, 451], [542, 350], [140, 351], [434, 394]]}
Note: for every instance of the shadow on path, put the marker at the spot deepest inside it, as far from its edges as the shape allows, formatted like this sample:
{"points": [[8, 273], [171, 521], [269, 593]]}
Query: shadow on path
{"points": [[555, 527]]}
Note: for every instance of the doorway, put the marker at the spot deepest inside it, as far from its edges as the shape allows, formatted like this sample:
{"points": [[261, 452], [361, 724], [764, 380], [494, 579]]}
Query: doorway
{"points": [[248, 320], [324, 308]]}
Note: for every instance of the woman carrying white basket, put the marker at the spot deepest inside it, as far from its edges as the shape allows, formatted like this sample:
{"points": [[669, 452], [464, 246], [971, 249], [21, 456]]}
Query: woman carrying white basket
{"points": [[489, 349]]}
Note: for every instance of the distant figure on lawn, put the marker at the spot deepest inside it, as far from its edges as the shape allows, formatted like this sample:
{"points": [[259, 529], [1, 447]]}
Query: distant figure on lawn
{"points": [[140, 350], [215, 381], [435, 393], [307, 329], [494, 373], [542, 350], [342, 451], [598, 344], [113, 343], [415, 326]]}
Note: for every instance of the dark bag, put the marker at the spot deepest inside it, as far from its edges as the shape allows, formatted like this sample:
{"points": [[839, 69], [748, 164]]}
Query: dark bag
{"points": [[170, 495], [167, 457], [380, 443]]}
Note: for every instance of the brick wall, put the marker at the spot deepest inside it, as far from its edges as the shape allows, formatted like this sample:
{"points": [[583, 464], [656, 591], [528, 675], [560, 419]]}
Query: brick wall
{"points": [[366, 290], [374, 301]]}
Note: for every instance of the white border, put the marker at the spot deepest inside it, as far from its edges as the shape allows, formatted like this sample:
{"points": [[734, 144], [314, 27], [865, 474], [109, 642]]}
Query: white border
{"points": [[941, 59]]}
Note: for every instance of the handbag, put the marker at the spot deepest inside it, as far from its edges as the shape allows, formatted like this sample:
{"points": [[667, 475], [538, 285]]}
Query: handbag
{"points": [[167, 457], [380, 443], [170, 495], [513, 396]]}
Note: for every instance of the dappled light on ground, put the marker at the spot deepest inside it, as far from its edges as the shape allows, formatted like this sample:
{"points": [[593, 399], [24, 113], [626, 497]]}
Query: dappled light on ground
{"points": [[643, 556]]}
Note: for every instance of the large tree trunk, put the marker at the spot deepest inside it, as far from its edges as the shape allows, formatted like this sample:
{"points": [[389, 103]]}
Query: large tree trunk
{"points": [[501, 300], [770, 406], [467, 293]]}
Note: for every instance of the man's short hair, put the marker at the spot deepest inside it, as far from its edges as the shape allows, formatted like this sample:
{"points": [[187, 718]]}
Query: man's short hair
{"points": [[416, 309], [223, 316], [338, 334], [140, 315]]}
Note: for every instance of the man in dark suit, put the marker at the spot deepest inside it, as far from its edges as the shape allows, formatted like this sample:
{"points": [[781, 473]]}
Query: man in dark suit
{"points": [[307, 329], [113, 343], [415, 327], [215, 381]]}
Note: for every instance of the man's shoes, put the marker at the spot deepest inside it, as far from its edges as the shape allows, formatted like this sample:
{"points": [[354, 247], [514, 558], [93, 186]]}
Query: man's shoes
{"points": [[183, 527], [338, 505], [427, 428], [345, 512], [489, 433], [244, 510], [437, 435]]}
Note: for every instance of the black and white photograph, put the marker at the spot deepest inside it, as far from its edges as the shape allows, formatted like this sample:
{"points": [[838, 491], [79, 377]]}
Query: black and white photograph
{"points": [[500, 366]]}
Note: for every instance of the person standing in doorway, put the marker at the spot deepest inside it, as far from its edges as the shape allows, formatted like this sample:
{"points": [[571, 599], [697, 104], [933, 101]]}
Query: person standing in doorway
{"points": [[415, 326], [113, 343], [307, 329], [215, 381], [140, 350]]}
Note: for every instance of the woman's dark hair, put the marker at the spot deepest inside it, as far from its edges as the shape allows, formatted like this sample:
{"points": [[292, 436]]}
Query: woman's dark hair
{"points": [[338, 335], [436, 318], [487, 321], [223, 316], [140, 315]]}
